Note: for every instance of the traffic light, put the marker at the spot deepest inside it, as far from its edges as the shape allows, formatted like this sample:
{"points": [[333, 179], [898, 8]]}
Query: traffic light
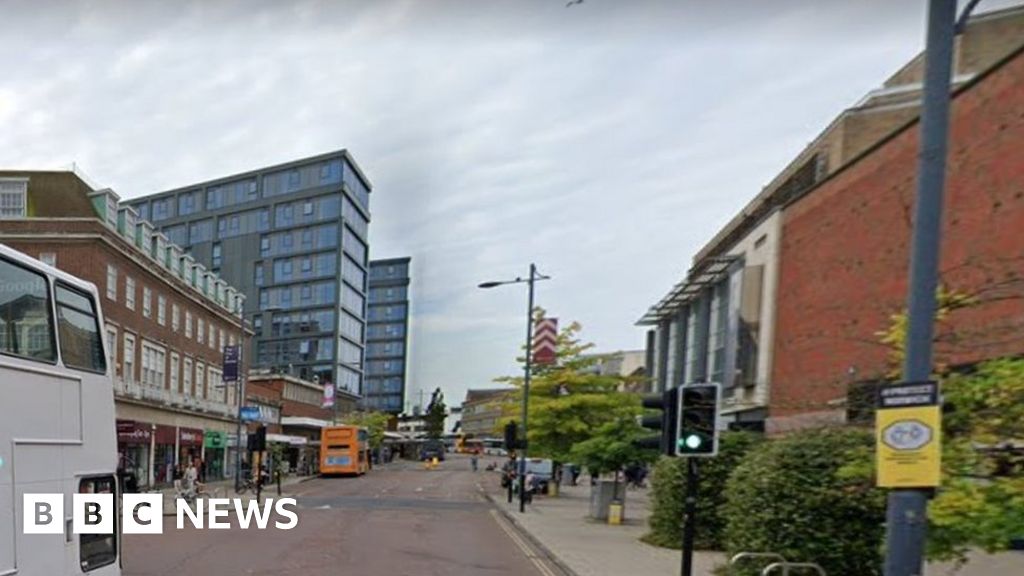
{"points": [[664, 423], [698, 420], [511, 434]]}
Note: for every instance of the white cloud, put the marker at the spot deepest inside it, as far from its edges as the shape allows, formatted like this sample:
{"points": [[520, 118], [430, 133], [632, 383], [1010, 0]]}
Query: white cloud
{"points": [[607, 141]]}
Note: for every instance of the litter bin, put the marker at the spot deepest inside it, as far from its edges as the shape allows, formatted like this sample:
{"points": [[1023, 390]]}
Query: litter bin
{"points": [[601, 496]]}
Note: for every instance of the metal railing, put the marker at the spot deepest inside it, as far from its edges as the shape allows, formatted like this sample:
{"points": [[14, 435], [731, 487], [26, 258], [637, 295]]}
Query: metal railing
{"points": [[779, 563]]}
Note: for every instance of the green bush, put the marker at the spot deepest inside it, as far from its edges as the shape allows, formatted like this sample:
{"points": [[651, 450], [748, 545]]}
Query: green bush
{"points": [[805, 496], [668, 484]]}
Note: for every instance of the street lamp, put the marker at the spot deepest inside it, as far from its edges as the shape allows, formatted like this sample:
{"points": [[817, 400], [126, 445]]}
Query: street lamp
{"points": [[534, 277]]}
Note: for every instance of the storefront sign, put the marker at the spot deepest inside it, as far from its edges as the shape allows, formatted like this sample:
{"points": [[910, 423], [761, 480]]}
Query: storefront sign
{"points": [[190, 437], [908, 434], [214, 439], [131, 432], [250, 413]]}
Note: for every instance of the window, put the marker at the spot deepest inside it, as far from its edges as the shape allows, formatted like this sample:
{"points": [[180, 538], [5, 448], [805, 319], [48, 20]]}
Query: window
{"points": [[216, 255], [96, 550], [111, 282], [12, 197], [24, 311], [81, 345], [264, 246], [188, 324], [111, 346], [161, 310], [307, 208], [213, 336], [186, 379], [175, 360], [154, 363], [200, 333], [48, 258], [129, 292], [175, 317], [147, 302], [129, 358], [200, 375]]}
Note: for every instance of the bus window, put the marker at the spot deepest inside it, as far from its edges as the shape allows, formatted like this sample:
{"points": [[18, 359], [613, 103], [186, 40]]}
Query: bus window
{"points": [[96, 550], [80, 341], [25, 326]]}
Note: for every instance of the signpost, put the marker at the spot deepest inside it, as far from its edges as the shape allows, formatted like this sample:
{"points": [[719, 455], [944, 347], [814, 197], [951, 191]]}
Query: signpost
{"points": [[908, 433], [232, 355]]}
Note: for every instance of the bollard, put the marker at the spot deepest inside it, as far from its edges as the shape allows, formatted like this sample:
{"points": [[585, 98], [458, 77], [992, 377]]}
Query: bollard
{"points": [[615, 513], [552, 488]]}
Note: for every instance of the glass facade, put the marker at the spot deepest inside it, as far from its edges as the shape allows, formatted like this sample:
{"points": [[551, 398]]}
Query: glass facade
{"points": [[293, 240], [387, 320]]}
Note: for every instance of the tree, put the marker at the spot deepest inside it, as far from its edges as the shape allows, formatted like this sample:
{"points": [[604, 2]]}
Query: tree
{"points": [[611, 449], [569, 400], [376, 423], [981, 500], [435, 415]]}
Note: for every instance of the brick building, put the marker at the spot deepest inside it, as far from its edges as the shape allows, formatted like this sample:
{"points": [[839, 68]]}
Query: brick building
{"points": [[845, 253], [782, 305], [292, 409], [481, 411], [167, 318]]}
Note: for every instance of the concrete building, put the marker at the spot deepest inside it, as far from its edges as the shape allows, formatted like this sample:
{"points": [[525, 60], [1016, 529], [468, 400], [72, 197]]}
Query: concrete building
{"points": [[293, 238], [387, 335], [481, 412], [629, 364], [167, 319], [720, 322]]}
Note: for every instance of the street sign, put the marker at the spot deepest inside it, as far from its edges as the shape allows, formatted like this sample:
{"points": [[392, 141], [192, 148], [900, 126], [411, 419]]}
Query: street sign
{"points": [[328, 400], [908, 428], [232, 354], [250, 413], [545, 337]]}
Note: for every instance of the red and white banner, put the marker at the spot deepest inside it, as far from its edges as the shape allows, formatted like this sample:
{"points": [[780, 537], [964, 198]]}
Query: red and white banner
{"points": [[545, 336], [328, 400]]}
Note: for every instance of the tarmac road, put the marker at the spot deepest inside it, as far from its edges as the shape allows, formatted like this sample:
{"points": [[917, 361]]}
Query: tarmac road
{"points": [[399, 519]]}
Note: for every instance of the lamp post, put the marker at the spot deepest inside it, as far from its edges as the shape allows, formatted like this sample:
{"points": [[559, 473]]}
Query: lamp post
{"points": [[534, 277]]}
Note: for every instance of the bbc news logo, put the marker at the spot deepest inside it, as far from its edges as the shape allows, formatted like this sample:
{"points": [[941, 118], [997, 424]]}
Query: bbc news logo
{"points": [[143, 513]]}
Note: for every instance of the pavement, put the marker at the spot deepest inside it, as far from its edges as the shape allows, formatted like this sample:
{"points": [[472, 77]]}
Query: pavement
{"points": [[584, 547], [399, 519], [589, 548]]}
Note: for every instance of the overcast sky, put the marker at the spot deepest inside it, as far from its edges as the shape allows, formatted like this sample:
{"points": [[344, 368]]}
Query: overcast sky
{"points": [[606, 141]]}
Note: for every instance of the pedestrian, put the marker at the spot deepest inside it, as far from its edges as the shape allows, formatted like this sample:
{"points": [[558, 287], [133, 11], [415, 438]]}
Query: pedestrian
{"points": [[190, 477], [473, 462], [531, 485], [575, 471]]}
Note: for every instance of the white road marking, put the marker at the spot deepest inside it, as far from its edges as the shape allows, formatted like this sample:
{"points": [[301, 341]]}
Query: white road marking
{"points": [[537, 561]]}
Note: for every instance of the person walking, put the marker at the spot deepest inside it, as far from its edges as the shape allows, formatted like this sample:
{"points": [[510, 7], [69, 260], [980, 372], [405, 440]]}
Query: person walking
{"points": [[473, 461]]}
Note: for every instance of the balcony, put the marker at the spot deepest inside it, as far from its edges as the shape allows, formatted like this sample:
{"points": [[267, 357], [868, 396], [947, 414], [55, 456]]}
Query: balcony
{"points": [[130, 390]]}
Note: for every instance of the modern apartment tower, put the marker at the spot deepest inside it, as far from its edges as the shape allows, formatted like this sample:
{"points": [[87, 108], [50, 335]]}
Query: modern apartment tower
{"points": [[293, 239], [387, 335]]}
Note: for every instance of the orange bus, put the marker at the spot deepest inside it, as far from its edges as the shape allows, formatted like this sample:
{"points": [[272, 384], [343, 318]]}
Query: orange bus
{"points": [[344, 450]]}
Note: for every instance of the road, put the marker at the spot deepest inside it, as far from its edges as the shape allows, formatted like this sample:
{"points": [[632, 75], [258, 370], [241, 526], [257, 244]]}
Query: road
{"points": [[397, 520]]}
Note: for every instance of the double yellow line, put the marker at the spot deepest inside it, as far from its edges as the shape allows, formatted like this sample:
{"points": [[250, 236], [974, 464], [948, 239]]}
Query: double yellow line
{"points": [[528, 551]]}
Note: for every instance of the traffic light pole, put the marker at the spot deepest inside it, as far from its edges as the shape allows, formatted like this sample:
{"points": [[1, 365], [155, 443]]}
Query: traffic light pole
{"points": [[690, 515]]}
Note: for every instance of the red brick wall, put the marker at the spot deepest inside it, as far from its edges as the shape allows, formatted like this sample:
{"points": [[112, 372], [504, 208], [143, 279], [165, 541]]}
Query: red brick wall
{"points": [[844, 252], [87, 257]]}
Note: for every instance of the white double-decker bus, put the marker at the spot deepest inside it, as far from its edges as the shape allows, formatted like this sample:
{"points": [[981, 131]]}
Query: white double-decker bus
{"points": [[57, 432]]}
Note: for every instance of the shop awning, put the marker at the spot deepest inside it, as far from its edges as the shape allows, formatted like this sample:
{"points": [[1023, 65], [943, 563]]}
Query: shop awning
{"points": [[304, 422], [286, 439]]}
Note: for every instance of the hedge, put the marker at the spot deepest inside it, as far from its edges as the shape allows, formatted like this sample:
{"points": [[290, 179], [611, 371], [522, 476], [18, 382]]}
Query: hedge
{"points": [[668, 484], [798, 497]]}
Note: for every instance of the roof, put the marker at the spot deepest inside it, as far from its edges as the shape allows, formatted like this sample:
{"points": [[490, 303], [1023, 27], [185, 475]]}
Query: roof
{"points": [[706, 273], [480, 395]]}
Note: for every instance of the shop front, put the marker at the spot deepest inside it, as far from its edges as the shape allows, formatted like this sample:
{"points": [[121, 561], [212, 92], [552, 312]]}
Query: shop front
{"points": [[133, 443], [190, 450], [214, 445], [163, 455]]}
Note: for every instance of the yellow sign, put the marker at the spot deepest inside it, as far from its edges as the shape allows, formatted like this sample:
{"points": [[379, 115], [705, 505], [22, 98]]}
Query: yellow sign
{"points": [[909, 446]]}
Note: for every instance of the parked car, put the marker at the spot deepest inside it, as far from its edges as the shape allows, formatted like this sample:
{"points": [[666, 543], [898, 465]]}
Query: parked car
{"points": [[432, 450]]}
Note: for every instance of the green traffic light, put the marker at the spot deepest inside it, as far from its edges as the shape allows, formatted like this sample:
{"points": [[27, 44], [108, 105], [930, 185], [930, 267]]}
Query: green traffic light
{"points": [[692, 442]]}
